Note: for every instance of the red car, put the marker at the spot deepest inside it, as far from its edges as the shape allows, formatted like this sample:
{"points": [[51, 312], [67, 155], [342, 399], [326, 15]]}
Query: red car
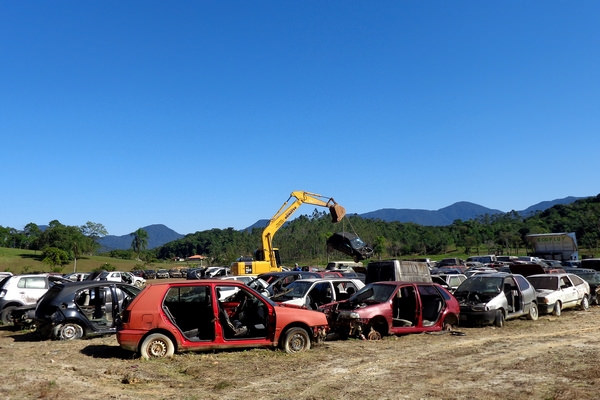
{"points": [[197, 315], [383, 308]]}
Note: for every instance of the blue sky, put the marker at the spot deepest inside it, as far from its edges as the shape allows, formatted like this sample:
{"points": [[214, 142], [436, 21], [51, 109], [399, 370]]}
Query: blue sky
{"points": [[208, 114]]}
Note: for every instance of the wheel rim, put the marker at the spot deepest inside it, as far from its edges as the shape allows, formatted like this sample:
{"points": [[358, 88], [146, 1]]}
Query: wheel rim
{"points": [[297, 342], [70, 331], [157, 348], [534, 312], [585, 303]]}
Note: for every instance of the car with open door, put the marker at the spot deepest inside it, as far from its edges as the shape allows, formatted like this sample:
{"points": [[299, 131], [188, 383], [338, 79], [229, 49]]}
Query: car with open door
{"points": [[393, 307], [192, 315], [81, 309], [495, 298]]}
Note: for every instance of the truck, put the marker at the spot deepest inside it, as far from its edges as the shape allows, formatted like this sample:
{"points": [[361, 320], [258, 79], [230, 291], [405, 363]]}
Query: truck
{"points": [[266, 257]]}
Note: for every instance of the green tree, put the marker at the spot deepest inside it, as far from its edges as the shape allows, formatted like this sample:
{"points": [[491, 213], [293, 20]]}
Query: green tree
{"points": [[139, 242], [56, 258]]}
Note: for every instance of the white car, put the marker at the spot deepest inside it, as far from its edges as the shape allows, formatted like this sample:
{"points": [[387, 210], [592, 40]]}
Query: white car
{"points": [[556, 292], [251, 280], [119, 276], [23, 290], [313, 293]]}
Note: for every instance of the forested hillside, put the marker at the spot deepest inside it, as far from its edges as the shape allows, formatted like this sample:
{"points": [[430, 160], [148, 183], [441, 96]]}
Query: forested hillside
{"points": [[303, 239]]}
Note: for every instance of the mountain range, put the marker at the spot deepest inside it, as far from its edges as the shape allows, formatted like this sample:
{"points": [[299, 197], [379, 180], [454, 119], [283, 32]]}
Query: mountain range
{"points": [[159, 234]]}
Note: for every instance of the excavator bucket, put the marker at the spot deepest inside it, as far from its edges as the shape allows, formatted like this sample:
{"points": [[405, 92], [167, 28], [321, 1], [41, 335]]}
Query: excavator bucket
{"points": [[337, 212]]}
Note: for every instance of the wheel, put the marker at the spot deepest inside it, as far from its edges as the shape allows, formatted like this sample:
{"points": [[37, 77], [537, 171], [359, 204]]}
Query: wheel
{"points": [[533, 312], [296, 340], [374, 334], [157, 345], [68, 331], [6, 315], [585, 303], [557, 309], [447, 327], [499, 320]]}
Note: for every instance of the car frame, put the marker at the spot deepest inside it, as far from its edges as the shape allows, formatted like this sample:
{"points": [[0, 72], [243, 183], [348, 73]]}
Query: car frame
{"points": [[81, 309], [393, 308], [349, 244], [494, 298], [188, 316]]}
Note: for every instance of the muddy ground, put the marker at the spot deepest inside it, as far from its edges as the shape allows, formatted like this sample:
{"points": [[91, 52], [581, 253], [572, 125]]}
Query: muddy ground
{"points": [[552, 358]]}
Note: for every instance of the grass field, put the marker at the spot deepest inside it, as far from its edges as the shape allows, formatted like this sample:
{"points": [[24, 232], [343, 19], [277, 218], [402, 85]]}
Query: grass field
{"points": [[20, 261]]}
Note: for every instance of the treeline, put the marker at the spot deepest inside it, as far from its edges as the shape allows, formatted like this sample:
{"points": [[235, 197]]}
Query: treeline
{"points": [[59, 244], [304, 238]]}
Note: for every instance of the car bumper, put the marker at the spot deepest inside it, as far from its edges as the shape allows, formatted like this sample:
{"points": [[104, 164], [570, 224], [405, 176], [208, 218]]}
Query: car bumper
{"points": [[130, 339], [477, 317], [544, 308]]}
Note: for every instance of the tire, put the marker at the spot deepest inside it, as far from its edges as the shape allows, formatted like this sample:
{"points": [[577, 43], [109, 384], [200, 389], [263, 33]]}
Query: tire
{"points": [[499, 319], [533, 312], [157, 345], [557, 309], [296, 340], [6, 315], [68, 331], [585, 303]]}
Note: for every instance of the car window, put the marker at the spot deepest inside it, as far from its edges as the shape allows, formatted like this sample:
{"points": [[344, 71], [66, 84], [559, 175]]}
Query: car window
{"points": [[565, 282], [522, 282], [35, 282], [576, 280]]}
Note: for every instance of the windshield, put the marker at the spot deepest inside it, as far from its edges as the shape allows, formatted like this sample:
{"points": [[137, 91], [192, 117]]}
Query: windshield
{"points": [[481, 284], [544, 282], [294, 290], [378, 293], [357, 243]]}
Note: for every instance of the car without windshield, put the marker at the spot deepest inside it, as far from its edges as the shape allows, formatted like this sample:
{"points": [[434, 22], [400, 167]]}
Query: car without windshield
{"points": [[79, 309], [555, 292], [391, 307], [494, 298], [189, 315]]}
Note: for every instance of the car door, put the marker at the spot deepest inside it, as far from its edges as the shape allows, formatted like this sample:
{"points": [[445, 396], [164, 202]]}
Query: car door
{"points": [[569, 293], [243, 319]]}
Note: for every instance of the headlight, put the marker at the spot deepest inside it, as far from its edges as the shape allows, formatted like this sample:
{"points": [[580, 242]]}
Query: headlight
{"points": [[480, 307]]}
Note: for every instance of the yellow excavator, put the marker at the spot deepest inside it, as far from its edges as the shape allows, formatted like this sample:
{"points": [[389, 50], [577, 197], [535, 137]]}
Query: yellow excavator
{"points": [[266, 258]]}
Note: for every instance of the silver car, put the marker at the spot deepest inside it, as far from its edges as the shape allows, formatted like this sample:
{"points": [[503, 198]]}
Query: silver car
{"points": [[494, 298]]}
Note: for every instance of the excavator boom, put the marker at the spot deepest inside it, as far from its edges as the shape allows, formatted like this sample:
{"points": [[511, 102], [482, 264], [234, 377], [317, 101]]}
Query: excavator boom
{"points": [[267, 252]]}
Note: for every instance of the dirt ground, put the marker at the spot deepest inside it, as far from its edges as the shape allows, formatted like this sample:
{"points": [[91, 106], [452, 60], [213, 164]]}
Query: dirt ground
{"points": [[552, 358]]}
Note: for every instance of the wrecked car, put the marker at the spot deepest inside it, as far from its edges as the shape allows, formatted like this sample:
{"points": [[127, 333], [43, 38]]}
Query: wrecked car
{"points": [[313, 293], [388, 308], [22, 292], [349, 244], [190, 315], [81, 309], [494, 298], [555, 292]]}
